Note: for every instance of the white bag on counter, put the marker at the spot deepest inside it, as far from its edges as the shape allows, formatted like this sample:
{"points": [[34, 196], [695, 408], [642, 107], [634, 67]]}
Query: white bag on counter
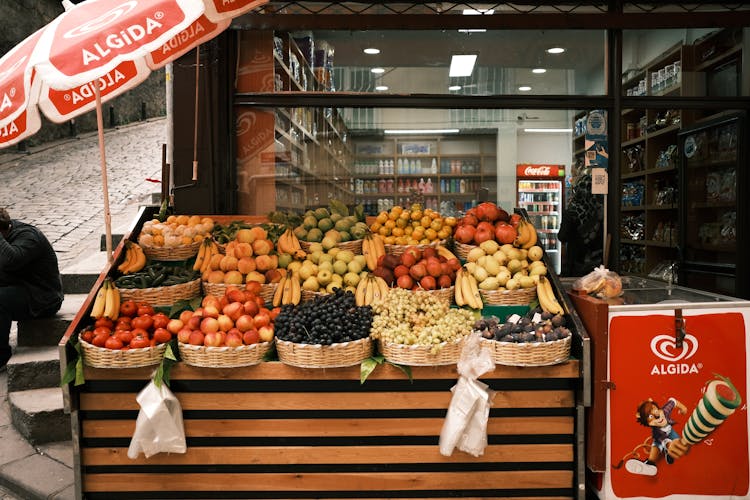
{"points": [[465, 425], [159, 427]]}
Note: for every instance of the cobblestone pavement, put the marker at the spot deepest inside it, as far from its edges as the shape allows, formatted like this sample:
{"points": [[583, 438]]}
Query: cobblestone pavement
{"points": [[58, 187]]}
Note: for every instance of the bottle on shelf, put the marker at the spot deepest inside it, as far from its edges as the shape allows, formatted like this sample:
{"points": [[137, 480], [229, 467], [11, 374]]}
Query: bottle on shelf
{"points": [[420, 186], [428, 186], [462, 189], [433, 166]]}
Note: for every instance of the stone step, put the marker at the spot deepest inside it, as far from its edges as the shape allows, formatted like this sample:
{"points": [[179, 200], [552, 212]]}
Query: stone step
{"points": [[49, 331], [38, 415], [78, 283], [34, 368]]}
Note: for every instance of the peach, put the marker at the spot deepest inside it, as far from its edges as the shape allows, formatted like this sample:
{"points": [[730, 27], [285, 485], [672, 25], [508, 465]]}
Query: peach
{"points": [[216, 277], [212, 339], [234, 278], [243, 249], [263, 263], [266, 333], [196, 337], [194, 323], [233, 339], [251, 337], [186, 315], [210, 325], [255, 276], [245, 236], [233, 294], [228, 263], [244, 323], [210, 300], [262, 247], [225, 322], [184, 335], [251, 307], [234, 310], [246, 265], [259, 233], [215, 262], [273, 276], [211, 311], [175, 325]]}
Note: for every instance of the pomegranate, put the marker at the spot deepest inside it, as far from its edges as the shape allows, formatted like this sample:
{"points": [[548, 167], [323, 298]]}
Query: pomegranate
{"points": [[465, 234], [487, 211], [505, 233]]}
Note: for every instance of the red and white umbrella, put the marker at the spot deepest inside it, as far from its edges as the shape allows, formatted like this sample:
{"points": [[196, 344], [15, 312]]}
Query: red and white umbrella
{"points": [[95, 51]]}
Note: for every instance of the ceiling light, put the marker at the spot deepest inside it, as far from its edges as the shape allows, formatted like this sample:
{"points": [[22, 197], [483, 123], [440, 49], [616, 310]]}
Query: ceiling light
{"points": [[548, 130], [423, 131], [377, 70], [381, 87], [454, 87], [524, 88], [478, 12], [477, 30], [538, 71], [371, 50], [555, 50], [462, 65]]}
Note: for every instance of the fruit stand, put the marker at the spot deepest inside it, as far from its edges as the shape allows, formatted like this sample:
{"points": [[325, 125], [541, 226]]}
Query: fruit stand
{"points": [[274, 430]]}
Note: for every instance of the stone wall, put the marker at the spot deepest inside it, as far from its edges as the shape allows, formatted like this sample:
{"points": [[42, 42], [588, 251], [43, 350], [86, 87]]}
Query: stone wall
{"points": [[20, 18]]}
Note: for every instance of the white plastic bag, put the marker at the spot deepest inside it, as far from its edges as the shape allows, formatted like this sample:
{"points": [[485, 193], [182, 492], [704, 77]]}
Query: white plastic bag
{"points": [[465, 425], [159, 428]]}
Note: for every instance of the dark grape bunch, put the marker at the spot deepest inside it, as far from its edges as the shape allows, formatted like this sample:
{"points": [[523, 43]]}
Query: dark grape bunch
{"points": [[327, 319], [548, 329]]}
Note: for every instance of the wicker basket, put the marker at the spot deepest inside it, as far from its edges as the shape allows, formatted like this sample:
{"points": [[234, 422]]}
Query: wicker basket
{"points": [[310, 295], [444, 294], [183, 252], [219, 289], [324, 356], [100, 357], [353, 245], [223, 357], [462, 249], [399, 249], [520, 296], [163, 295], [529, 353], [421, 355]]}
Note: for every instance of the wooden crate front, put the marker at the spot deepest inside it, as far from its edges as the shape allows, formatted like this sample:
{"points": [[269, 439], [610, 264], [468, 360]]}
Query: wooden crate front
{"points": [[274, 431]]}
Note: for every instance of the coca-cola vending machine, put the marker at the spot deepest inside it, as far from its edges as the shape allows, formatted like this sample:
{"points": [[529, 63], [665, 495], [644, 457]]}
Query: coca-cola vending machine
{"points": [[540, 192]]}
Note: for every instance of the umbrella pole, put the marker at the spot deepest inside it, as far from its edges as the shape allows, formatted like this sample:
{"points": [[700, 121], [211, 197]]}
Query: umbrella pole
{"points": [[195, 117], [103, 161]]}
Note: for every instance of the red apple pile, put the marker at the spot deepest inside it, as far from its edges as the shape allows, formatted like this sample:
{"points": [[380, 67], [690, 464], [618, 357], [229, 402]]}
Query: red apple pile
{"points": [[239, 317], [417, 269], [484, 222], [137, 326]]}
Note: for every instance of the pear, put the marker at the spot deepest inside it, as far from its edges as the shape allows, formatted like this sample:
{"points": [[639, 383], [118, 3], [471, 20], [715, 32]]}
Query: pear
{"points": [[489, 246], [311, 284], [490, 283], [474, 254]]}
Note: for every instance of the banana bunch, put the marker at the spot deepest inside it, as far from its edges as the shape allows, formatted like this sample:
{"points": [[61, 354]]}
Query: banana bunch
{"points": [[135, 259], [527, 236], [546, 296], [444, 252], [107, 301], [373, 247], [369, 289], [288, 291], [467, 290], [208, 249], [288, 242]]}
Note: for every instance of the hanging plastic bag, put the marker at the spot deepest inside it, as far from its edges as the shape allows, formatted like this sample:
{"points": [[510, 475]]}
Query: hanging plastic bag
{"points": [[159, 427], [465, 425], [601, 282]]}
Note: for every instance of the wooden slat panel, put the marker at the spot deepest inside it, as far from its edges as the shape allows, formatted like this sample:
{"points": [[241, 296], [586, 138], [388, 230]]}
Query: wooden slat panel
{"points": [[233, 455], [406, 481], [342, 427], [328, 401], [274, 370]]}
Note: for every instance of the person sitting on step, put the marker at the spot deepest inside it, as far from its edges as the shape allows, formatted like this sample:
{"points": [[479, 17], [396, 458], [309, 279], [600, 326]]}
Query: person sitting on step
{"points": [[30, 283]]}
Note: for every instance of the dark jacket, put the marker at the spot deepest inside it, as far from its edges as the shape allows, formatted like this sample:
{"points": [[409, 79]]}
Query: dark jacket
{"points": [[27, 259]]}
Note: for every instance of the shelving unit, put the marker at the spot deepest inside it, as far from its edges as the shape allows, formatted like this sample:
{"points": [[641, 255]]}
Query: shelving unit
{"points": [[438, 171], [543, 202], [650, 164], [296, 158]]}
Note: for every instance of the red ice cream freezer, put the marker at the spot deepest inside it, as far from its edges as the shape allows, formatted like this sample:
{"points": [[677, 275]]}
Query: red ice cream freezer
{"points": [[669, 399]]}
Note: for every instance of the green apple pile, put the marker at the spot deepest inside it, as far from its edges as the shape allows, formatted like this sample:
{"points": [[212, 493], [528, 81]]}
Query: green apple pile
{"points": [[505, 267], [330, 227], [324, 270]]}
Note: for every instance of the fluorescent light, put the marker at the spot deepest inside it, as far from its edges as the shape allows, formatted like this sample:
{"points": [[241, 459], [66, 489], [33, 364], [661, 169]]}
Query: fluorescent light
{"points": [[377, 70], [462, 65], [478, 12], [548, 130], [454, 87], [524, 88], [474, 30], [538, 71], [371, 51], [556, 50], [423, 131], [381, 87]]}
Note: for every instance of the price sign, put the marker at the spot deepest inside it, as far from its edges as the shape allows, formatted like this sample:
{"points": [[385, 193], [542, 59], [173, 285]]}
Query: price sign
{"points": [[599, 181]]}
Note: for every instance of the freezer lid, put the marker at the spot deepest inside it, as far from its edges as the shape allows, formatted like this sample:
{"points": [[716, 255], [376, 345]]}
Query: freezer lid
{"points": [[643, 291]]}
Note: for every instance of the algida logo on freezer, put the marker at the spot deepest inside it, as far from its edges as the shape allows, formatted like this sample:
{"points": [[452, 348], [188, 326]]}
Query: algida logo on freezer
{"points": [[675, 361]]}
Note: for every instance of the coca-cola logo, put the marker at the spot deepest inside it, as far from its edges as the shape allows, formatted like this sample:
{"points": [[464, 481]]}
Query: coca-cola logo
{"points": [[537, 171]]}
